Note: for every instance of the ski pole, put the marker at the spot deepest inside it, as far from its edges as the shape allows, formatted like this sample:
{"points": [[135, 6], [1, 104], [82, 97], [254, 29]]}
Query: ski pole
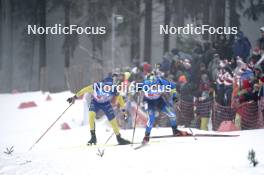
{"points": [[135, 123], [193, 134], [101, 153], [50, 127]]}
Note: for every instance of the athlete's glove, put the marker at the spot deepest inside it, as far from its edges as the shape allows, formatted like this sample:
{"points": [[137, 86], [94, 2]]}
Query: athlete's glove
{"points": [[175, 99], [71, 100], [124, 113]]}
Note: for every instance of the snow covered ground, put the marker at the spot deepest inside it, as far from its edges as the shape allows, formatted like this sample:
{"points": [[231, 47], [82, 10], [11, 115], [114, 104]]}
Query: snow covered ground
{"points": [[63, 151]]}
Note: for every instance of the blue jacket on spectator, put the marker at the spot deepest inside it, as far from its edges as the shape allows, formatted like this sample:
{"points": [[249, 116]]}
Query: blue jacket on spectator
{"points": [[241, 46]]}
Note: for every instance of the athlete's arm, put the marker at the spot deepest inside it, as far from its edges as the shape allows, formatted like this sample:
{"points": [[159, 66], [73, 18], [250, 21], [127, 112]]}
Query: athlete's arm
{"points": [[87, 89]]}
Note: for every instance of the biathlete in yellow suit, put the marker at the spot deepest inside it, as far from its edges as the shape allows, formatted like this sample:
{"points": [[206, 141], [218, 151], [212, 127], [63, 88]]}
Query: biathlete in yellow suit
{"points": [[102, 95]]}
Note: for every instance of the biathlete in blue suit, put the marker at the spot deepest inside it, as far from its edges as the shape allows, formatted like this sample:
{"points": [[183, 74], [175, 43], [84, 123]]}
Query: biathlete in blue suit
{"points": [[153, 88]]}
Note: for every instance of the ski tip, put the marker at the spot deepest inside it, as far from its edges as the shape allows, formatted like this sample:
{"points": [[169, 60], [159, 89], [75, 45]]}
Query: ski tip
{"points": [[141, 145]]}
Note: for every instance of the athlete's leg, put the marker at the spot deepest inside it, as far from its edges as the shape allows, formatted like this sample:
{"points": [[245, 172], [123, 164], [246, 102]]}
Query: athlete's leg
{"points": [[170, 112], [150, 123], [109, 112], [92, 113]]}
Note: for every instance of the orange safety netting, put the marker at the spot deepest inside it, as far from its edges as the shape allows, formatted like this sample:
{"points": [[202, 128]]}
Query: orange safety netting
{"points": [[185, 113], [189, 113], [261, 112], [221, 113], [204, 108], [249, 114]]}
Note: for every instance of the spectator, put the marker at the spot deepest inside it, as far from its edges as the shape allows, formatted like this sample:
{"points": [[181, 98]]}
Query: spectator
{"points": [[187, 89], [181, 55], [220, 88], [166, 63], [260, 42], [145, 68], [197, 52], [213, 67], [224, 48], [204, 87], [246, 90], [224, 84], [209, 53], [241, 46], [255, 57], [187, 69], [228, 85], [203, 107]]}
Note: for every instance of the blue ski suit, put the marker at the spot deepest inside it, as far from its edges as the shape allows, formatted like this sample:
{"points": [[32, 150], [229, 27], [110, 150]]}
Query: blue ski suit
{"points": [[156, 102]]}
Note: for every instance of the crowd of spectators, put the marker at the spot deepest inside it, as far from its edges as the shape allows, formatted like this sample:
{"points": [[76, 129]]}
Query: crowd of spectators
{"points": [[213, 69], [228, 70]]}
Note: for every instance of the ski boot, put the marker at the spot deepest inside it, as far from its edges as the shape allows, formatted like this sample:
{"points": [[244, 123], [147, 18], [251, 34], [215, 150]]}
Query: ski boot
{"points": [[177, 132], [122, 141], [146, 138], [93, 139]]}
